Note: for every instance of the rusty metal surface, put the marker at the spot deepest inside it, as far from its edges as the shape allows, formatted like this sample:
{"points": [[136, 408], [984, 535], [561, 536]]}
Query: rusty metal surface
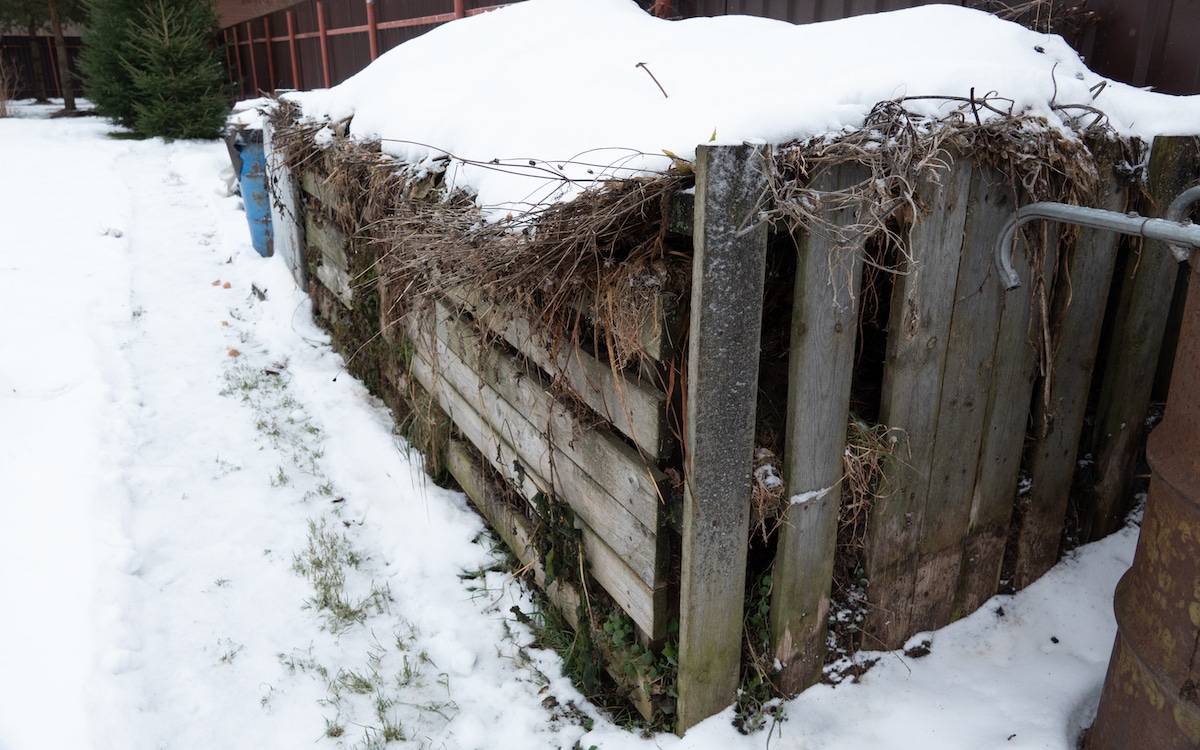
{"points": [[1151, 695]]}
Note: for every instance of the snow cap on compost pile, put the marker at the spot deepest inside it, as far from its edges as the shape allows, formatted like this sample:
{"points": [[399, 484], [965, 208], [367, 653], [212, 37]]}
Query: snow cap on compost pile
{"points": [[543, 90]]}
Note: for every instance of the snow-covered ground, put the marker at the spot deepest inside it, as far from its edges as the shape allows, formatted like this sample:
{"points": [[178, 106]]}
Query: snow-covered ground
{"points": [[177, 438]]}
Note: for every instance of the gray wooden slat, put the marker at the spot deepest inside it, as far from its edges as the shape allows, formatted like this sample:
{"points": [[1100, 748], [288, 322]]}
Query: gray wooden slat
{"points": [[635, 408], [527, 471], [967, 379], [635, 484], [1081, 294], [820, 365], [922, 304]]}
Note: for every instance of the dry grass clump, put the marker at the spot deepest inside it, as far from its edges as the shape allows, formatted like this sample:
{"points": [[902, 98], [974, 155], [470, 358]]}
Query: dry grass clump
{"points": [[592, 267], [900, 152]]}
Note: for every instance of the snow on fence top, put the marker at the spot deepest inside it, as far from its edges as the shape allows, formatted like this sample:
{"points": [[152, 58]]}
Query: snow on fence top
{"points": [[511, 102]]}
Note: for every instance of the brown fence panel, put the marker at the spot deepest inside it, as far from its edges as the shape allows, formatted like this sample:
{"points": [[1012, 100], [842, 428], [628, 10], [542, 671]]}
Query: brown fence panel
{"points": [[16, 53]]}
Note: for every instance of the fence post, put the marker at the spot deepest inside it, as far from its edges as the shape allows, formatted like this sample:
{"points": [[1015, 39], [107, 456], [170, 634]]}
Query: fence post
{"points": [[323, 33], [460, 8], [820, 365], [291, 23], [728, 270], [270, 55], [237, 58], [254, 89], [372, 30]]}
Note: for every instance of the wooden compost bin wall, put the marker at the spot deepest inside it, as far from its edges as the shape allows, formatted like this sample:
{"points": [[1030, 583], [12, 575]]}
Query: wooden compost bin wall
{"points": [[985, 417]]}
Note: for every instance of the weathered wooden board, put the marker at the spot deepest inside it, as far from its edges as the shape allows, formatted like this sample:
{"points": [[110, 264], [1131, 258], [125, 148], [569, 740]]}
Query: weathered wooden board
{"points": [[321, 189], [1128, 374], [527, 469], [333, 266], [328, 239], [591, 499], [635, 484], [635, 408], [727, 291], [820, 367], [1014, 369], [514, 530], [1077, 314], [962, 405], [512, 527], [921, 308]]}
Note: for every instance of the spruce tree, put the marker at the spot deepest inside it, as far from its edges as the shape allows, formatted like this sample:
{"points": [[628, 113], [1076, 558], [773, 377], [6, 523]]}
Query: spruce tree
{"points": [[153, 66], [178, 78], [107, 82]]}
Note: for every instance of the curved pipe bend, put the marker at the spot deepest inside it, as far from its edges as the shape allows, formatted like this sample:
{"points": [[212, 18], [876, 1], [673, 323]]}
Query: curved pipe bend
{"points": [[1173, 229]]}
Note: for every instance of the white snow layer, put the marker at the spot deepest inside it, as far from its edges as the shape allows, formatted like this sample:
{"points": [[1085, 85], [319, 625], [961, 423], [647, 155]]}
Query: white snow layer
{"points": [[573, 86]]}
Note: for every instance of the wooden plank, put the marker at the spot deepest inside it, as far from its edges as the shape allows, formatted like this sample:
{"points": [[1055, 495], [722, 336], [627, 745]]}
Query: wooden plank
{"points": [[644, 603], [551, 470], [961, 412], [921, 307], [512, 527], [820, 367], [636, 485], [337, 281], [635, 408], [514, 530], [726, 320], [1128, 375], [1014, 370], [590, 498], [327, 239], [1080, 296], [321, 189]]}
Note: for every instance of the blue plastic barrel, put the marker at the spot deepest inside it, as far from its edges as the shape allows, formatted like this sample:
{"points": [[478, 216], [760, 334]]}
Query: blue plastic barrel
{"points": [[252, 175]]}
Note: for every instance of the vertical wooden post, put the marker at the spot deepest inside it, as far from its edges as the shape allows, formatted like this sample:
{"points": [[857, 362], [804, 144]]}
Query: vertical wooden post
{"points": [[270, 55], [228, 54], [54, 67], [1146, 290], [291, 23], [820, 366], [460, 9], [372, 30], [1075, 318], [237, 58], [254, 89], [323, 33], [1014, 370], [919, 328], [662, 8], [727, 286], [962, 404]]}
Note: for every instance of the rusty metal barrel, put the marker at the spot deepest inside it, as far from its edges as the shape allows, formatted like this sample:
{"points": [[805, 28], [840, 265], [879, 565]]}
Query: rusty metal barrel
{"points": [[1151, 696]]}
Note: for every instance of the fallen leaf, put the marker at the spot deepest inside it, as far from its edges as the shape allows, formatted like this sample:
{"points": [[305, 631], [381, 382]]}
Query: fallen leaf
{"points": [[234, 353], [227, 285], [217, 282]]}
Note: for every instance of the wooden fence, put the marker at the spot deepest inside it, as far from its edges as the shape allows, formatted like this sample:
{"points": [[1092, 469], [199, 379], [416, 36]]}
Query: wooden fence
{"points": [[317, 44], [992, 400], [320, 43], [27, 59]]}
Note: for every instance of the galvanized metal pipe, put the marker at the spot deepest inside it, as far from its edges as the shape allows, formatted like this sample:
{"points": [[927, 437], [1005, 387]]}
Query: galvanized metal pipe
{"points": [[1173, 229]]}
